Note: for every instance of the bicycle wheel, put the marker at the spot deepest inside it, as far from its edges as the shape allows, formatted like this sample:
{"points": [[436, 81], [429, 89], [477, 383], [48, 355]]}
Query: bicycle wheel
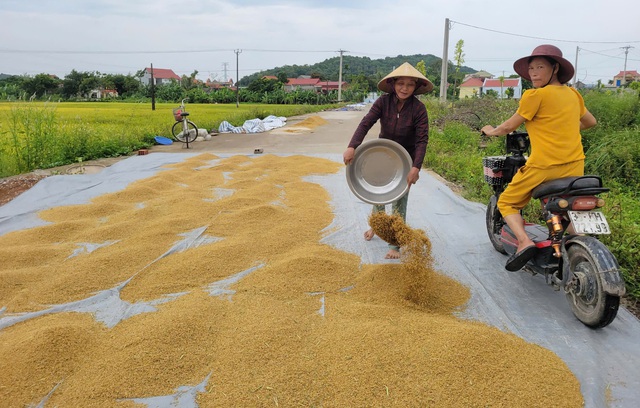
{"points": [[185, 137]]}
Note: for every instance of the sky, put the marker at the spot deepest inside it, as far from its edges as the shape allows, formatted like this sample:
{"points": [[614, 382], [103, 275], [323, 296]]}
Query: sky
{"points": [[227, 39]]}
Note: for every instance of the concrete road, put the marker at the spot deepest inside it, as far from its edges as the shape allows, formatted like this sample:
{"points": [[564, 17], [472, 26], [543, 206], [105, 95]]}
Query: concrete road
{"points": [[332, 137]]}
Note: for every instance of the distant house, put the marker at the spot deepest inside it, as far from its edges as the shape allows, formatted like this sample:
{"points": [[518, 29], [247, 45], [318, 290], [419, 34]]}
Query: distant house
{"points": [[480, 74], [312, 84], [303, 84], [327, 86], [471, 88], [160, 76], [220, 85], [500, 88], [103, 93], [629, 76]]}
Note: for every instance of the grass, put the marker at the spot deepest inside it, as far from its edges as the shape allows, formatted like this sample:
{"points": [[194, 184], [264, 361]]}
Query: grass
{"points": [[42, 135]]}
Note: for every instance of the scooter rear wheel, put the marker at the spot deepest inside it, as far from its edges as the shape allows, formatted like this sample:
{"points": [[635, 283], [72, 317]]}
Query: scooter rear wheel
{"points": [[495, 223], [590, 304]]}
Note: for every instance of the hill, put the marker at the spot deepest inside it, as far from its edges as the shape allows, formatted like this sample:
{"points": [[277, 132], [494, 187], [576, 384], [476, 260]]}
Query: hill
{"points": [[351, 66]]}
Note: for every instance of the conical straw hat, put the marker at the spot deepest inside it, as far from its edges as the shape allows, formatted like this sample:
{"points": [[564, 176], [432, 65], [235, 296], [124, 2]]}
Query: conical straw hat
{"points": [[406, 70]]}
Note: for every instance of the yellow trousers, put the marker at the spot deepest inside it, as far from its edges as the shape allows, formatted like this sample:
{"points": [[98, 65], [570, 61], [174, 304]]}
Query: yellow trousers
{"points": [[518, 192]]}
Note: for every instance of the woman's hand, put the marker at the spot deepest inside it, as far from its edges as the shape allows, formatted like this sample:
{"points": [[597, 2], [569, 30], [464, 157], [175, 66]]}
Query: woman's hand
{"points": [[348, 154], [486, 130], [413, 176], [505, 127]]}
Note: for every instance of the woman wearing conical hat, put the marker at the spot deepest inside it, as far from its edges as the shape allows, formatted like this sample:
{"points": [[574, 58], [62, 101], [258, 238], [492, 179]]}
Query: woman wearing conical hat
{"points": [[553, 115], [403, 119]]}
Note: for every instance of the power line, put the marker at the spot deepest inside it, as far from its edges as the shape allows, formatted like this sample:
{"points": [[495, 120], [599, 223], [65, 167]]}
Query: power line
{"points": [[107, 52], [543, 38], [605, 55], [305, 51], [111, 52]]}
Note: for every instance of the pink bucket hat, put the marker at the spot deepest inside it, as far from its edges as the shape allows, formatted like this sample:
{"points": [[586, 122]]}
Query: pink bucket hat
{"points": [[565, 73]]}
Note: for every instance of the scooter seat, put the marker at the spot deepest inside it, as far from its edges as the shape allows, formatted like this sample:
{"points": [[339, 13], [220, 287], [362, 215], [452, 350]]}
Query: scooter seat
{"points": [[570, 186]]}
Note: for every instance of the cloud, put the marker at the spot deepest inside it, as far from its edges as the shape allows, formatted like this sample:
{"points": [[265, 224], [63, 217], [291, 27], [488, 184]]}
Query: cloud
{"points": [[287, 32]]}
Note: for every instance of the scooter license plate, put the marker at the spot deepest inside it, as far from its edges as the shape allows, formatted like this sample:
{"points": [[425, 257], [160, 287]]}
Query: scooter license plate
{"points": [[589, 222]]}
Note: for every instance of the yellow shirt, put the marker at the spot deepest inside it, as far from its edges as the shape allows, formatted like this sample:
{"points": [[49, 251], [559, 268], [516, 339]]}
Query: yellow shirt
{"points": [[552, 116]]}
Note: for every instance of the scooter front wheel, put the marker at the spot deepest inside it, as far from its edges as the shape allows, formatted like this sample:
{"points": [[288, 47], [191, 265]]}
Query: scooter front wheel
{"points": [[589, 302], [495, 223]]}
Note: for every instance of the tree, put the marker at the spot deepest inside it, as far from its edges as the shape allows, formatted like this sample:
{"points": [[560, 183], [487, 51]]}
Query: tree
{"points": [[422, 67], [262, 85], [40, 85], [189, 82], [78, 84], [458, 57], [510, 92], [171, 92], [282, 77], [359, 83], [492, 94], [125, 85]]}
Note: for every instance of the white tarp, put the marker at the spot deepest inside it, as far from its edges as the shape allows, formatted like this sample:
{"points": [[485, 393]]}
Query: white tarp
{"points": [[254, 125]]}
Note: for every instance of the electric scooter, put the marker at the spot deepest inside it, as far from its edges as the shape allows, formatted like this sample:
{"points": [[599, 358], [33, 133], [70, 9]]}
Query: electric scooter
{"points": [[568, 252]]}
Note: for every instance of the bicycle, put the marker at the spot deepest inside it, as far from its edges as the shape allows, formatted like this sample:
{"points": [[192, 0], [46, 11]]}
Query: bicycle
{"points": [[183, 130]]}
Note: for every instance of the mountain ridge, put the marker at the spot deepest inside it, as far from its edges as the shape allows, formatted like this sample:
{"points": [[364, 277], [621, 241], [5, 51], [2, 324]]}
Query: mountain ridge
{"points": [[353, 65]]}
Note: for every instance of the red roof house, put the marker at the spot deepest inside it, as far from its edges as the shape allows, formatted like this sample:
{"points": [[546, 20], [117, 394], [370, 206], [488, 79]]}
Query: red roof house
{"points": [[471, 87], [160, 76], [312, 84], [629, 76], [500, 88], [308, 84]]}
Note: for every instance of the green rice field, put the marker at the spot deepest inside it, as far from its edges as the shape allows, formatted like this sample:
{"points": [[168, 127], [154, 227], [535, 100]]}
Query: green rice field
{"points": [[41, 135]]}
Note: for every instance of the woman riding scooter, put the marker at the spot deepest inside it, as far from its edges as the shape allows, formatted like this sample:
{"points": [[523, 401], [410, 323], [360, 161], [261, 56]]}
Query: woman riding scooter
{"points": [[553, 115]]}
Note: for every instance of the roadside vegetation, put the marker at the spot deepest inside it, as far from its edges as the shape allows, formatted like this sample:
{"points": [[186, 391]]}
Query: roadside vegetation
{"points": [[612, 150]]}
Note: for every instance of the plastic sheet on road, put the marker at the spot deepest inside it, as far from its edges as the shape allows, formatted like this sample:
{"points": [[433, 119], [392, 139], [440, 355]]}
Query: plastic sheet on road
{"points": [[605, 361]]}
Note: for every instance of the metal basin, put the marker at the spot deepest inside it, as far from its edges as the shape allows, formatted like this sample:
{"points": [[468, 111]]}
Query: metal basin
{"points": [[378, 172]]}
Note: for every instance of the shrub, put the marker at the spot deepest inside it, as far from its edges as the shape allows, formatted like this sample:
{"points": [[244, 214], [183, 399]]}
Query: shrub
{"points": [[615, 111]]}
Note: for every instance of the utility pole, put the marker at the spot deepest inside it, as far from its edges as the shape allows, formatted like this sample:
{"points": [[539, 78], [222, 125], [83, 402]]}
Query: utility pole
{"points": [[575, 67], [624, 73], [237, 79], [445, 62], [340, 77], [224, 67], [153, 91]]}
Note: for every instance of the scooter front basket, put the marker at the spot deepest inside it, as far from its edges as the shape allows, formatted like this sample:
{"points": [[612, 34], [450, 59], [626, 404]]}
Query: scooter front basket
{"points": [[493, 169]]}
